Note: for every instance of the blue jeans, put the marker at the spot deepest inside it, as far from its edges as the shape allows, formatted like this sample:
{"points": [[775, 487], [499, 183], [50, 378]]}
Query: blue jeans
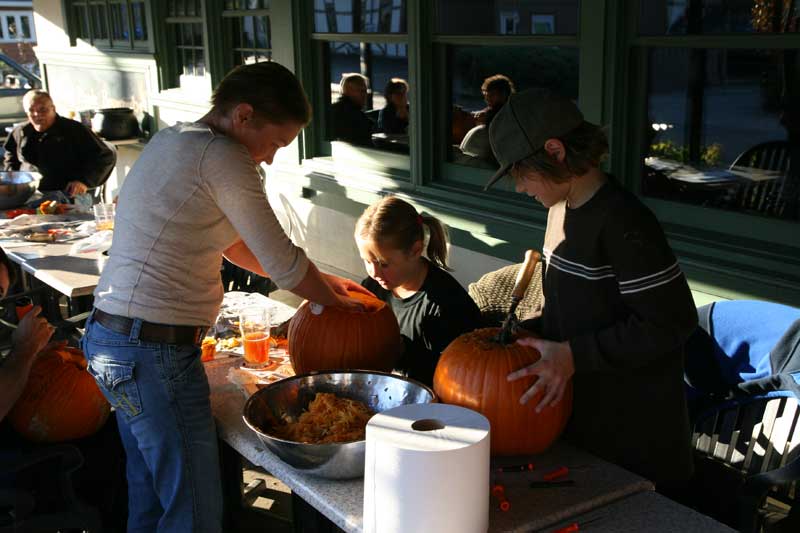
{"points": [[161, 395]]}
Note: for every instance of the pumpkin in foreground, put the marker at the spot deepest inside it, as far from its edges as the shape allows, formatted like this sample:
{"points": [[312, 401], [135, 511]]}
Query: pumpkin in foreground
{"points": [[61, 400], [472, 373], [331, 338]]}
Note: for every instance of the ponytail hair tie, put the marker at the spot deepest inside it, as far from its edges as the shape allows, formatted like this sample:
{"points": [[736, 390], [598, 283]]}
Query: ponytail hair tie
{"points": [[420, 221]]}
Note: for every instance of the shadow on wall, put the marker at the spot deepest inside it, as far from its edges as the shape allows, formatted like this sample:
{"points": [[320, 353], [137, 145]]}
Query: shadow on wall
{"points": [[323, 224]]}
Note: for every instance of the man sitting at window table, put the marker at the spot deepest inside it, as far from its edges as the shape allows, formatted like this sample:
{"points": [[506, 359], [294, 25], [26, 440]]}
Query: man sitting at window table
{"points": [[69, 156], [349, 123]]}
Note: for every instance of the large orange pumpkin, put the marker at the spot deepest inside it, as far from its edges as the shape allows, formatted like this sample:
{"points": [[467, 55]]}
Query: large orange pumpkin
{"points": [[472, 373], [335, 338], [61, 400]]}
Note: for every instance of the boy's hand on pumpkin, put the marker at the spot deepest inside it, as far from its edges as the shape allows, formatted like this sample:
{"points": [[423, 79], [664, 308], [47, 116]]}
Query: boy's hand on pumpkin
{"points": [[32, 334], [554, 370]]}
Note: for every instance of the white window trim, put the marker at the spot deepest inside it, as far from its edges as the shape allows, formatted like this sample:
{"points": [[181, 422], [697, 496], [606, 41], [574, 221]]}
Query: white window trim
{"points": [[513, 16], [18, 20]]}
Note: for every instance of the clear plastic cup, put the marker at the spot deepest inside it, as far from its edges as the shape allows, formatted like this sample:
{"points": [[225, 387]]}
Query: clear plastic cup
{"points": [[254, 323], [104, 216]]}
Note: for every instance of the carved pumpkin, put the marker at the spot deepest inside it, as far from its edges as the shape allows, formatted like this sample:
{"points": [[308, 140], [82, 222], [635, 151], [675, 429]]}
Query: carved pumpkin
{"points": [[472, 373], [330, 338], [61, 400]]}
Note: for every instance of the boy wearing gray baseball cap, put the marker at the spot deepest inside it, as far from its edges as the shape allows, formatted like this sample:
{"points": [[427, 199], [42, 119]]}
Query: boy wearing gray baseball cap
{"points": [[617, 307]]}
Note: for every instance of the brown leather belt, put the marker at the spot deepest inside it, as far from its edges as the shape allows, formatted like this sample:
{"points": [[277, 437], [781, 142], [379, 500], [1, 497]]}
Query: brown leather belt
{"points": [[150, 332]]}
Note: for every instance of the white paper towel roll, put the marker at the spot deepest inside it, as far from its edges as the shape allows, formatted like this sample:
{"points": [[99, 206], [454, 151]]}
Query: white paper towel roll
{"points": [[427, 470]]}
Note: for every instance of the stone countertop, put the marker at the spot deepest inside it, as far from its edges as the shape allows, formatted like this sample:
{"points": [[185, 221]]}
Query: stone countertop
{"points": [[596, 483], [646, 511]]}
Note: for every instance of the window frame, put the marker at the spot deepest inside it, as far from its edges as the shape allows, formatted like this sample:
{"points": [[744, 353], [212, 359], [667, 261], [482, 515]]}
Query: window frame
{"points": [[684, 218], [396, 167], [110, 44], [429, 174], [18, 16], [230, 50]]}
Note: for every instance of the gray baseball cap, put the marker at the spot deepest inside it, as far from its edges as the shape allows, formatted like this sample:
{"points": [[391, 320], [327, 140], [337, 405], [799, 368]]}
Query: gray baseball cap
{"points": [[525, 122]]}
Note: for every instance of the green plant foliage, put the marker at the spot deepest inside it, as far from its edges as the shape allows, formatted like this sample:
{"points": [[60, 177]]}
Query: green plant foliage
{"points": [[710, 155]]}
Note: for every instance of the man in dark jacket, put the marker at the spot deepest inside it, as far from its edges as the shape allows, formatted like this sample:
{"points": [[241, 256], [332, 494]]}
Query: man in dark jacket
{"points": [[348, 121], [68, 155]]}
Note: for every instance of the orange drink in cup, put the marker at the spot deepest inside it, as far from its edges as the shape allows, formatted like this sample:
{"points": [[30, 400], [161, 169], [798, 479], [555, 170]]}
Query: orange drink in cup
{"points": [[254, 324]]}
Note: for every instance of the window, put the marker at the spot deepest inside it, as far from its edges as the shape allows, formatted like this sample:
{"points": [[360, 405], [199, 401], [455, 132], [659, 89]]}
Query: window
{"points": [[706, 17], [110, 24], [17, 27], [509, 22], [25, 26], [543, 24], [11, 25], [98, 15], [185, 26], [481, 76], [365, 80], [475, 17], [247, 24], [721, 128]]}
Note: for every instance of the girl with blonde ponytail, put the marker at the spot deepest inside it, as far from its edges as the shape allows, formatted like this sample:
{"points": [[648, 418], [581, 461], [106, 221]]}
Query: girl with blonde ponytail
{"points": [[405, 254]]}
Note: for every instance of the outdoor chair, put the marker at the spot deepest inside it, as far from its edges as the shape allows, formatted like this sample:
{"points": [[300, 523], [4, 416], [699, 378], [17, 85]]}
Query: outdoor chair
{"points": [[763, 196], [492, 294], [743, 385]]}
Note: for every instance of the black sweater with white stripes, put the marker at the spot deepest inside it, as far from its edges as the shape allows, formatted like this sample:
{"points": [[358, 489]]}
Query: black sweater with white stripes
{"points": [[614, 290]]}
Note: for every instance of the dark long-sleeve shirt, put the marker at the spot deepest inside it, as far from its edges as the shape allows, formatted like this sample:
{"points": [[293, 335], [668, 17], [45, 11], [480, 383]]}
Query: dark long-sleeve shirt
{"points": [[390, 122], [350, 124], [66, 151], [437, 313], [613, 289]]}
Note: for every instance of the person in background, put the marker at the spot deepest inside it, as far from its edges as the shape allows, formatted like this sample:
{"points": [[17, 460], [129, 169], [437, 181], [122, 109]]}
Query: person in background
{"points": [[194, 196], [348, 121], [431, 307], [393, 118], [617, 309], [70, 157], [496, 91]]}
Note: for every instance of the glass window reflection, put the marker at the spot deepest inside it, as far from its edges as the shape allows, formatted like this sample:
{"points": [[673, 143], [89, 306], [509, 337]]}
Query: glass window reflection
{"points": [[696, 17], [723, 128], [510, 17], [360, 16], [369, 94], [483, 78]]}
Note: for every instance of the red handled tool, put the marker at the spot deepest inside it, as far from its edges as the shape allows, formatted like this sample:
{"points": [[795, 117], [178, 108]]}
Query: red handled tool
{"points": [[527, 467], [561, 471]]}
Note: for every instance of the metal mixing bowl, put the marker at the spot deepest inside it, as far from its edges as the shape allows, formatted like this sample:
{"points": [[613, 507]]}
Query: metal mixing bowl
{"points": [[289, 397], [17, 187]]}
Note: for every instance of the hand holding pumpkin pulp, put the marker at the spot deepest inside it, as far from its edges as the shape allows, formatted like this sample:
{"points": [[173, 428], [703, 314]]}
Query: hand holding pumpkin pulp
{"points": [[254, 324]]}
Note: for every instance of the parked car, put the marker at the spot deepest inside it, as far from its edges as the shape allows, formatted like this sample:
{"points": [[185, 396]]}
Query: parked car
{"points": [[15, 82]]}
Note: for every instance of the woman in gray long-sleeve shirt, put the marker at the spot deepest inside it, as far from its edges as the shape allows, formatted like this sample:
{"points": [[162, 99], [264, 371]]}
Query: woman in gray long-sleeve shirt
{"points": [[193, 196]]}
